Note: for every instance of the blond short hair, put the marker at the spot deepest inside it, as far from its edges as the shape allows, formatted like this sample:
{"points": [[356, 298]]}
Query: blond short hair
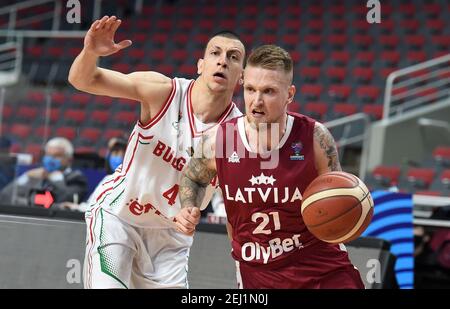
{"points": [[271, 57]]}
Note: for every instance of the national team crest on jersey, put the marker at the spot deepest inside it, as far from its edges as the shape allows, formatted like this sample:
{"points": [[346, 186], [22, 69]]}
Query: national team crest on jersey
{"points": [[297, 147], [234, 158]]}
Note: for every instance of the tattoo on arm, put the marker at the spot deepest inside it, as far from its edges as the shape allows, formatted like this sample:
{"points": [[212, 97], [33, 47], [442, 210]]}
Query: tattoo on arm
{"points": [[327, 146], [198, 173]]}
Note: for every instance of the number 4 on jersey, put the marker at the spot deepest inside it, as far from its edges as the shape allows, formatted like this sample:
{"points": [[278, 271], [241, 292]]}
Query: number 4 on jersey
{"points": [[171, 194]]}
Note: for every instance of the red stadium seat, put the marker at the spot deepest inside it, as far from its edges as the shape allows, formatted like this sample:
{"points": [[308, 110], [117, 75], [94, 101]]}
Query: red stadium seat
{"points": [[157, 54], [67, 132], [445, 178], [58, 98], [122, 67], [315, 25], [368, 92], [7, 112], [441, 155], [91, 135], [315, 57], [375, 111], [310, 73], [420, 177], [390, 41], [336, 74], [338, 40], [101, 117], [410, 25], [316, 109], [36, 97], [137, 54], [290, 39], [271, 25], [142, 67], [435, 25], [415, 41], [416, 56], [179, 55], [35, 51], [126, 118], [340, 57], [55, 51], [248, 24], [339, 92], [20, 130], [365, 57], [390, 57], [388, 174], [363, 73], [344, 109], [312, 40], [75, 116], [268, 39], [441, 41], [363, 41], [292, 24], [338, 25], [407, 9], [311, 91], [81, 99], [188, 70], [28, 113], [110, 133], [432, 9], [361, 25]]}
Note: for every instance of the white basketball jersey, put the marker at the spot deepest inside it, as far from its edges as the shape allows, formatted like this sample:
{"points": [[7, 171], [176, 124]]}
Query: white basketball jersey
{"points": [[144, 189]]}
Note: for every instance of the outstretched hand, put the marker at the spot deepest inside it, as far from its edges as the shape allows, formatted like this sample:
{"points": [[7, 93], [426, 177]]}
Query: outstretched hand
{"points": [[100, 37], [187, 219]]}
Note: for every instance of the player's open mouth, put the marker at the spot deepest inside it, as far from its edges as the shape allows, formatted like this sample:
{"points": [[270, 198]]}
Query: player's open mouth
{"points": [[220, 75], [256, 113]]}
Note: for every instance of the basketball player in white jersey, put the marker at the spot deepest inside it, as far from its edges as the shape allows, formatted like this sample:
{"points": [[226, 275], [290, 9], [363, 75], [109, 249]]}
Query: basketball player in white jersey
{"points": [[132, 241]]}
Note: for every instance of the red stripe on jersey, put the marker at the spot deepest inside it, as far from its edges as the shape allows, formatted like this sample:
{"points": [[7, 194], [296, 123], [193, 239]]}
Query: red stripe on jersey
{"points": [[162, 111]]}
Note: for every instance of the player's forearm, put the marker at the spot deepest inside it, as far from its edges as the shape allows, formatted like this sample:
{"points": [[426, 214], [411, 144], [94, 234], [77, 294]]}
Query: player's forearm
{"points": [[190, 192], [84, 70]]}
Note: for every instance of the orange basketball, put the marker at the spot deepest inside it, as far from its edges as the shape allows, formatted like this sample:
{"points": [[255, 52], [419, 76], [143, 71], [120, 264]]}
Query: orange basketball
{"points": [[337, 207]]}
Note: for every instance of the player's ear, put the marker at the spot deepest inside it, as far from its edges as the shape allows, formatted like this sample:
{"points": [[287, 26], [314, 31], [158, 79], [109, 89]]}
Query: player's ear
{"points": [[200, 64], [241, 79], [291, 92]]}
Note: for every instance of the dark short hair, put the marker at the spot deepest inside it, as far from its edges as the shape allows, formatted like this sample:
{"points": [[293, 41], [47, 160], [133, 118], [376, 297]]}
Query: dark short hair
{"points": [[271, 57], [226, 34]]}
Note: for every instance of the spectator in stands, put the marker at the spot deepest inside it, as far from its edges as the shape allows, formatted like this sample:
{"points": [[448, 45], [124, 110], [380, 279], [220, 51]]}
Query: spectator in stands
{"points": [[55, 175], [7, 170], [114, 158]]}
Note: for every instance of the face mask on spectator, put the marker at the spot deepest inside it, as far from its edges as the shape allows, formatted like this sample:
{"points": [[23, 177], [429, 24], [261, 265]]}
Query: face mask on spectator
{"points": [[114, 162], [51, 164]]}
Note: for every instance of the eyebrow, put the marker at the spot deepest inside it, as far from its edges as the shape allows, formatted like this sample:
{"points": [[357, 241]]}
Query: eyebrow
{"points": [[234, 49]]}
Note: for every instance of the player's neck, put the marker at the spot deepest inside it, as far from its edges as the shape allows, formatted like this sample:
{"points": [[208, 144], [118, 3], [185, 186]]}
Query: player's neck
{"points": [[265, 137], [207, 105]]}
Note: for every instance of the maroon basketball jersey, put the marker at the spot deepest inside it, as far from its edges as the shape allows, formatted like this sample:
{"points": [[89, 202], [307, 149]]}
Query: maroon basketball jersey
{"points": [[263, 205]]}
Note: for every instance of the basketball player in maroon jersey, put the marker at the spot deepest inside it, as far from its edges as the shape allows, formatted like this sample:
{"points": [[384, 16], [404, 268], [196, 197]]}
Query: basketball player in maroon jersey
{"points": [[270, 243]]}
